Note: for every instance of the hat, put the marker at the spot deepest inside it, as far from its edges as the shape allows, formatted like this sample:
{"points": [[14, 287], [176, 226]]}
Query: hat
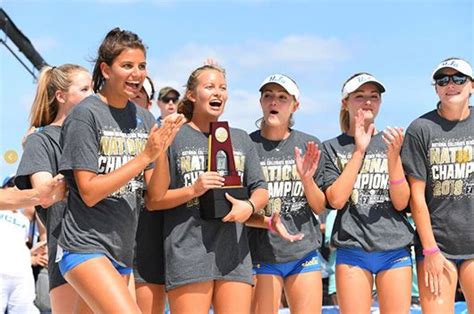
{"points": [[354, 83], [456, 64], [8, 181], [148, 87], [165, 90], [284, 81]]}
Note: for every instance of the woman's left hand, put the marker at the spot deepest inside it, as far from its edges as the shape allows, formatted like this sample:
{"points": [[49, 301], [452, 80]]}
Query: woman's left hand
{"points": [[306, 165], [393, 137], [240, 211]]}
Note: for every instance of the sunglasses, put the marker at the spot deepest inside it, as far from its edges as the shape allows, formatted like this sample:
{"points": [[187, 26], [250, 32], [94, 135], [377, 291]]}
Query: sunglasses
{"points": [[443, 79], [167, 99]]}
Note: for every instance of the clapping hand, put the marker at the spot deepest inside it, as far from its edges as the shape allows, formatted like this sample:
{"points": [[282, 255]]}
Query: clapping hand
{"points": [[306, 165]]}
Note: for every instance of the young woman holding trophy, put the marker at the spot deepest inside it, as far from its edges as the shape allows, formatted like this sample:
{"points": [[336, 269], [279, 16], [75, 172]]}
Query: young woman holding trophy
{"points": [[207, 259]]}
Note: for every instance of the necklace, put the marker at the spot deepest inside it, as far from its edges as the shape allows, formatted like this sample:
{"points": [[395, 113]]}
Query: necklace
{"points": [[279, 144]]}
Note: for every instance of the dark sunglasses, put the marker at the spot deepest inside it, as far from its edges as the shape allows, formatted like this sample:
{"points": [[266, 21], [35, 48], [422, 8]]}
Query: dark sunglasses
{"points": [[443, 79], [167, 99]]}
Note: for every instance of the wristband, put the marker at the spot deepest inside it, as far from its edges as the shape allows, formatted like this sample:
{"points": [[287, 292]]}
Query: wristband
{"points": [[270, 226], [396, 182], [252, 205], [430, 251]]}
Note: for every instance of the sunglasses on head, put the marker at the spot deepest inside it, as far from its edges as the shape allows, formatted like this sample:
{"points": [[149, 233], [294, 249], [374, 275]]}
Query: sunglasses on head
{"points": [[443, 79], [167, 99]]}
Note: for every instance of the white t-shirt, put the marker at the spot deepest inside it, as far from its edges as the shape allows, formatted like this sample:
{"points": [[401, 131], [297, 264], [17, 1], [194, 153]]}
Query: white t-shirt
{"points": [[14, 227]]}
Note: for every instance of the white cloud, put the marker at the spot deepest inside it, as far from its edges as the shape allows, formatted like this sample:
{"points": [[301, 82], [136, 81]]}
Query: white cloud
{"points": [[249, 62]]}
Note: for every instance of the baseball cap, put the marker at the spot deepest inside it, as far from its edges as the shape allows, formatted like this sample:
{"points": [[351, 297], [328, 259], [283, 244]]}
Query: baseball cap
{"points": [[8, 181], [354, 83], [456, 64], [284, 81], [148, 87], [165, 90]]}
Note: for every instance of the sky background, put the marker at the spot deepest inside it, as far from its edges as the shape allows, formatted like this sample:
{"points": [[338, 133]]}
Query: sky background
{"points": [[317, 43]]}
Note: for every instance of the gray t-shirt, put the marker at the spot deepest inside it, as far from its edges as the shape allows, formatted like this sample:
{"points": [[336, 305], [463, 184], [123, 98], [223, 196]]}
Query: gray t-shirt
{"points": [[368, 220], [440, 152], [277, 159], [41, 154], [100, 138], [198, 250]]}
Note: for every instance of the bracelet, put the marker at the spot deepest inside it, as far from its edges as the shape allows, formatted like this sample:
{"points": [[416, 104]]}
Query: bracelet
{"points": [[270, 226], [252, 205], [430, 251], [396, 182]]}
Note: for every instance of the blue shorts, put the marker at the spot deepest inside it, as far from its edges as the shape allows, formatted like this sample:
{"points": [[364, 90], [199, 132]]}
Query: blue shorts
{"points": [[457, 261], [374, 262], [307, 264], [70, 260]]}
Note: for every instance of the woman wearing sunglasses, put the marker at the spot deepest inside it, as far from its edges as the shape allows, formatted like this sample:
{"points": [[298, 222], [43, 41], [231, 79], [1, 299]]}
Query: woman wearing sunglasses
{"points": [[438, 159], [364, 180]]}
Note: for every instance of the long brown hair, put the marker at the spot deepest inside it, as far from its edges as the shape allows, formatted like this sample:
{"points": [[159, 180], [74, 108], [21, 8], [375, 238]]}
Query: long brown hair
{"points": [[185, 105], [52, 79], [114, 43]]}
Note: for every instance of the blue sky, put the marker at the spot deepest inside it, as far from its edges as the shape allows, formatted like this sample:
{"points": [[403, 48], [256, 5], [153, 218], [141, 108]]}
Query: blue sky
{"points": [[318, 43]]}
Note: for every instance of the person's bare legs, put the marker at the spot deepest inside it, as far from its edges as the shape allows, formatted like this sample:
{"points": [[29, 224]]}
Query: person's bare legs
{"points": [[267, 294], [63, 298], [304, 292], [151, 298], [354, 289], [394, 290], [193, 298], [443, 303], [466, 279], [231, 297], [101, 287]]}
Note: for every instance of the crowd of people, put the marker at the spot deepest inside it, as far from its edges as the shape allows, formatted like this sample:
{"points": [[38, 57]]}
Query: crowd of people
{"points": [[118, 192]]}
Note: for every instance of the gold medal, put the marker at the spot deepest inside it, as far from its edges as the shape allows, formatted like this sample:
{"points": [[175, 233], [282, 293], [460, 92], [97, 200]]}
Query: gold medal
{"points": [[221, 135]]}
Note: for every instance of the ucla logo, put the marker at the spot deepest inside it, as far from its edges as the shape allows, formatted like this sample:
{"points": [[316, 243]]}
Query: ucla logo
{"points": [[277, 79], [450, 63]]}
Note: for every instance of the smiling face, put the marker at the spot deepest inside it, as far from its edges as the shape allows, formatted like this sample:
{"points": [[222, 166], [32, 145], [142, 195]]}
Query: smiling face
{"points": [[209, 96], [124, 78], [367, 97], [452, 93], [277, 105]]}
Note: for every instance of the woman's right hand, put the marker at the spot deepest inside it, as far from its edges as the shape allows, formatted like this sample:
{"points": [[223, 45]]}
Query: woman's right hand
{"points": [[434, 265], [160, 138], [280, 229], [207, 180], [362, 136]]}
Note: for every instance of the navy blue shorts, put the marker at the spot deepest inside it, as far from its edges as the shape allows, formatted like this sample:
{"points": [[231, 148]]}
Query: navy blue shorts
{"points": [[69, 260], [374, 262], [457, 261], [306, 264]]}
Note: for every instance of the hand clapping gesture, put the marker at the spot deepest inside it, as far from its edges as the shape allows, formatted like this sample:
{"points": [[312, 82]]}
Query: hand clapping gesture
{"points": [[362, 135], [393, 137], [160, 138], [306, 165]]}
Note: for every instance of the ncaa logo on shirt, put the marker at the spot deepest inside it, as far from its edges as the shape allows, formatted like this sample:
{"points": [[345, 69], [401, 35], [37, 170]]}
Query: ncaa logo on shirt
{"points": [[139, 121]]}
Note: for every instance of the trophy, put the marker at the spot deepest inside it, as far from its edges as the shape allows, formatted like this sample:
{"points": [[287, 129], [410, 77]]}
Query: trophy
{"points": [[213, 203]]}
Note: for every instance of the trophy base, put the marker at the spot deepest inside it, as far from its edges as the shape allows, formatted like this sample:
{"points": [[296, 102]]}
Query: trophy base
{"points": [[214, 205]]}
